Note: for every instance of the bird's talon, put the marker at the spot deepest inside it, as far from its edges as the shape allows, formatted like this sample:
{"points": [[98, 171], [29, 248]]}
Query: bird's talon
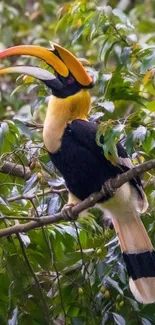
{"points": [[67, 211], [107, 189]]}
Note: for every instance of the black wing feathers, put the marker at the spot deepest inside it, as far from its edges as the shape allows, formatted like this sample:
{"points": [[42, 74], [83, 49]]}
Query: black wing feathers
{"points": [[82, 162], [86, 131]]}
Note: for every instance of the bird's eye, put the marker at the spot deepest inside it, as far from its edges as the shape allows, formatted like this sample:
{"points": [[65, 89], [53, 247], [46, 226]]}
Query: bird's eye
{"points": [[70, 81]]}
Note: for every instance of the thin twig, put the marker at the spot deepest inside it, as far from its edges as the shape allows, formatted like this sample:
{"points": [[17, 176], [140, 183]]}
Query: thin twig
{"points": [[33, 125], [58, 280], [19, 218], [85, 268], [35, 195], [46, 308], [124, 40]]}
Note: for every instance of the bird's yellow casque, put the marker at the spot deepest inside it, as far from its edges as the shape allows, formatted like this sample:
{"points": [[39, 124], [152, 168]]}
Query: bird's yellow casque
{"points": [[71, 142]]}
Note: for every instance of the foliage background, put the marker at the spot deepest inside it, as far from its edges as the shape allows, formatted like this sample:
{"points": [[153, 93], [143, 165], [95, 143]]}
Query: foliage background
{"points": [[72, 273]]}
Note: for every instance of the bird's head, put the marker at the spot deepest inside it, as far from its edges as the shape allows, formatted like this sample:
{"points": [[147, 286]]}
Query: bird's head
{"points": [[70, 75]]}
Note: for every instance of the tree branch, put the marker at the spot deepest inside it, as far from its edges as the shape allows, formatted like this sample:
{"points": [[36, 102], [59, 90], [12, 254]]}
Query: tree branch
{"points": [[87, 203], [16, 170]]}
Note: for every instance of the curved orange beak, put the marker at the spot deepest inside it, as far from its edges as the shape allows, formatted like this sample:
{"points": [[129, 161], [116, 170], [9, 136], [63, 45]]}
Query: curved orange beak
{"points": [[61, 60]]}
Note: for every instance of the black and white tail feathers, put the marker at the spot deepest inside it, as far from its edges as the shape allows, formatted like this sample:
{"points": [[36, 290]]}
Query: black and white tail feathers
{"points": [[138, 252]]}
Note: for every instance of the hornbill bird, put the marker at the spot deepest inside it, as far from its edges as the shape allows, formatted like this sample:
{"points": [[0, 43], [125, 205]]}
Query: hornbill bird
{"points": [[71, 142]]}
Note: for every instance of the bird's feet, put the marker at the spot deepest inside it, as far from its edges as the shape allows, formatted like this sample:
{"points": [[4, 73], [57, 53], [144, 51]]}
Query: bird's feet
{"points": [[107, 189], [67, 211]]}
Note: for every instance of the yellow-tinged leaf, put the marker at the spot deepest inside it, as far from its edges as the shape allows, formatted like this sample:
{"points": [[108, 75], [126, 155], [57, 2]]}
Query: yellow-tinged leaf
{"points": [[36, 14], [150, 88], [113, 159], [147, 77], [151, 106], [78, 24], [28, 79]]}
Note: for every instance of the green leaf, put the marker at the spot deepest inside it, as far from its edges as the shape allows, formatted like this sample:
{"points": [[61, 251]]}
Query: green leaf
{"points": [[145, 321], [125, 54], [25, 239], [148, 63], [18, 89], [35, 106], [22, 128], [151, 106], [4, 127], [73, 311], [31, 87], [55, 204], [1, 137], [114, 284], [83, 238], [106, 27], [14, 320], [133, 303], [110, 48], [30, 184], [119, 319], [70, 230], [105, 318], [108, 11], [76, 321], [140, 133], [120, 14], [78, 33], [109, 106], [131, 39]]}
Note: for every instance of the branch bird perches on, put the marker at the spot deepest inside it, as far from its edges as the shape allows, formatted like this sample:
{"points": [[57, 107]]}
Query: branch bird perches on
{"points": [[80, 207]]}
